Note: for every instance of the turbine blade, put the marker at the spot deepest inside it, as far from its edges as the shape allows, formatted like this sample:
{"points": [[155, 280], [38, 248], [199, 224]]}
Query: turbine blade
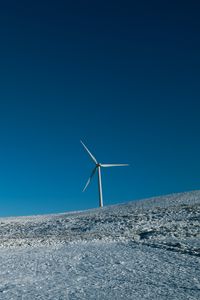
{"points": [[113, 165], [90, 154], [87, 183]]}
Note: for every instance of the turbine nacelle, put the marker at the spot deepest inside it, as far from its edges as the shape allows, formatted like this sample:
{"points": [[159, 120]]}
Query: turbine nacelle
{"points": [[98, 167]]}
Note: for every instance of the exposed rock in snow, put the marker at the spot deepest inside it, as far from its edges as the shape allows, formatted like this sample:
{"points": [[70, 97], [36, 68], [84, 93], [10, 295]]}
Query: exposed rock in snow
{"points": [[147, 249]]}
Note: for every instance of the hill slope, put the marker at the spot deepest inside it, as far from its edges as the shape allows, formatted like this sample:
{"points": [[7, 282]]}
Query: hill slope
{"points": [[147, 249]]}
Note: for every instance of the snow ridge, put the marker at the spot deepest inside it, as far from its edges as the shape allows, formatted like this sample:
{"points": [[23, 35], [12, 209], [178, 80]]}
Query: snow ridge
{"points": [[149, 249]]}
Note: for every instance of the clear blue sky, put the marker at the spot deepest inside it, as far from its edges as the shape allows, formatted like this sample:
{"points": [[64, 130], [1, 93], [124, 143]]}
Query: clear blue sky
{"points": [[123, 76]]}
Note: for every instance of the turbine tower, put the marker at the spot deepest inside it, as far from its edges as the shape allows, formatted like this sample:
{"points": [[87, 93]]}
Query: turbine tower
{"points": [[98, 167]]}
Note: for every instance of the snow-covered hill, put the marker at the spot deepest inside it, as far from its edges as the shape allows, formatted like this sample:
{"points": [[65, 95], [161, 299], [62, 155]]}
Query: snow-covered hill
{"points": [[147, 249]]}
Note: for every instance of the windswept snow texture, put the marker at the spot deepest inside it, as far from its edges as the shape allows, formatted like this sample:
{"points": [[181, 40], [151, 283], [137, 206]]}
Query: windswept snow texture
{"points": [[147, 249]]}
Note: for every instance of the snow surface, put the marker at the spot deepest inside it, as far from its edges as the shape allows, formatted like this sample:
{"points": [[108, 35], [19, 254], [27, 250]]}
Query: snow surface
{"points": [[147, 249]]}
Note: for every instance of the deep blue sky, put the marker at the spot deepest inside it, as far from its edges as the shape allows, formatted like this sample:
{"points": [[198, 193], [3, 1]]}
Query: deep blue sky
{"points": [[121, 75]]}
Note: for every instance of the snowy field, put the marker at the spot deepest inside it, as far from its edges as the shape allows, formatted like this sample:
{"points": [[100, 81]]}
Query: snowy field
{"points": [[147, 249]]}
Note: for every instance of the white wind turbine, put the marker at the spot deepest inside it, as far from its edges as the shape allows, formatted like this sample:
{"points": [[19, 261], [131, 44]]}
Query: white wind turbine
{"points": [[98, 167]]}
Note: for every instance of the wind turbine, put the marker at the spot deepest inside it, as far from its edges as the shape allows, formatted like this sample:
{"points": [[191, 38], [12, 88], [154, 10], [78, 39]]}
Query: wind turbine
{"points": [[98, 167]]}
